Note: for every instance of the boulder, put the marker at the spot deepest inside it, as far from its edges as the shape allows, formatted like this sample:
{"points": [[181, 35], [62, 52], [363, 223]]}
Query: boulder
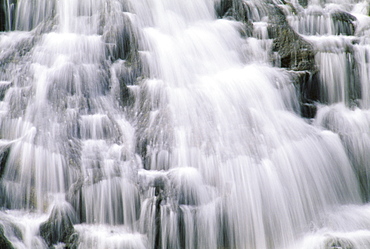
{"points": [[59, 226]]}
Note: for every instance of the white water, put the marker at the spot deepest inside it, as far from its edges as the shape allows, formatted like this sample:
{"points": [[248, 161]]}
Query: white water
{"points": [[208, 151]]}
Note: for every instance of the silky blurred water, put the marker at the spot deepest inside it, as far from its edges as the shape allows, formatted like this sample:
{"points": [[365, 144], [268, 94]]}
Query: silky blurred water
{"points": [[157, 124]]}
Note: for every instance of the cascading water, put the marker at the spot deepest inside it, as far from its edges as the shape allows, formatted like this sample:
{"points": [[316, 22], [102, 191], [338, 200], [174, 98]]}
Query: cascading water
{"points": [[185, 124]]}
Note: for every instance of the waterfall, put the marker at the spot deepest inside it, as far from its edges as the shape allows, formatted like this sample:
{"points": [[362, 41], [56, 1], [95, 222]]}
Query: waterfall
{"points": [[185, 124]]}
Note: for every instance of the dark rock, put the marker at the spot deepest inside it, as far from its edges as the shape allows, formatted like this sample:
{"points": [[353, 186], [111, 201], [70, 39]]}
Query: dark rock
{"points": [[4, 153], [7, 14], [295, 52], [236, 10], [59, 226], [122, 43], [309, 89], [298, 55], [2, 16], [4, 242], [343, 23], [127, 74], [4, 86], [158, 229], [223, 7]]}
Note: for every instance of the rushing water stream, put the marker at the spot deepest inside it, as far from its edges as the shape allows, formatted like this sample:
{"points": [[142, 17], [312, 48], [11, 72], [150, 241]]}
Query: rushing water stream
{"points": [[177, 124]]}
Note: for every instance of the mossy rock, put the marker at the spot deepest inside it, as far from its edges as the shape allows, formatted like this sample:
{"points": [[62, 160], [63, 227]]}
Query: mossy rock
{"points": [[58, 228], [4, 242]]}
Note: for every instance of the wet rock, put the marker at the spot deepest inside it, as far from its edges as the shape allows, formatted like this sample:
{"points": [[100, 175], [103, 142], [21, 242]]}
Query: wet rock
{"points": [[309, 89], [4, 153], [2, 17], [122, 43], [58, 228], [73, 241], [4, 242], [295, 52], [344, 23], [223, 7], [125, 74], [236, 10], [4, 86]]}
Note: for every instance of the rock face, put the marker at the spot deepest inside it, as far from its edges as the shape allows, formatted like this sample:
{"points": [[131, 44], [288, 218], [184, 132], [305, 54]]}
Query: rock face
{"points": [[58, 228]]}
